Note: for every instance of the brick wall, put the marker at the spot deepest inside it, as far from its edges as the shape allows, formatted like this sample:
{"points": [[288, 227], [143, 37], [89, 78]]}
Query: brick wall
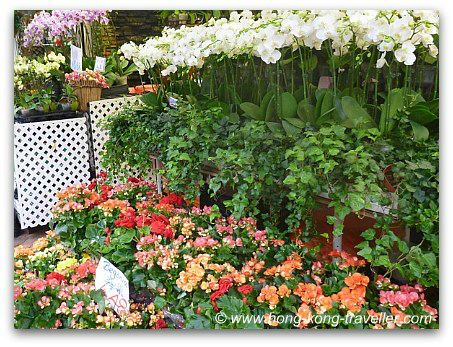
{"points": [[130, 25]]}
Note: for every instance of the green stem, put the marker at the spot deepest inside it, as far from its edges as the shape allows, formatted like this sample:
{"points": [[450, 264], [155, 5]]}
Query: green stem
{"points": [[303, 72], [436, 80]]}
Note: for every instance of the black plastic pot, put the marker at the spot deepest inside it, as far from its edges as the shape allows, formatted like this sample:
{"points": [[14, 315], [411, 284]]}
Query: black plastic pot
{"points": [[114, 92], [42, 117]]}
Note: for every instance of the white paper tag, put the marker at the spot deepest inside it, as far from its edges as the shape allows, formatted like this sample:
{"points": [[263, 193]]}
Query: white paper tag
{"points": [[114, 285], [99, 64], [172, 102], [76, 58]]}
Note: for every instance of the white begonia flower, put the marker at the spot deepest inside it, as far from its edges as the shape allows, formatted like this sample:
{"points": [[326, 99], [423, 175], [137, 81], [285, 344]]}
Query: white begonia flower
{"points": [[405, 54], [381, 61]]}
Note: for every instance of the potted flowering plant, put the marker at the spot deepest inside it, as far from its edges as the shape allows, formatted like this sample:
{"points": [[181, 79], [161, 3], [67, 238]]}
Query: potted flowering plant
{"points": [[34, 91], [88, 85], [68, 99], [116, 72]]}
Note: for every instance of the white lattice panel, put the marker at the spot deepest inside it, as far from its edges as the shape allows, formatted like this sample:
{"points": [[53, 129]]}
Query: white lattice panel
{"points": [[48, 157], [99, 110]]}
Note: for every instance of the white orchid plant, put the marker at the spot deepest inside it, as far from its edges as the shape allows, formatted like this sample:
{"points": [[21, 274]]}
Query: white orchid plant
{"points": [[402, 32]]}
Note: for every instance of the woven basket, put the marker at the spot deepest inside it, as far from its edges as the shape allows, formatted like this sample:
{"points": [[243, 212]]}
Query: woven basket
{"points": [[87, 91]]}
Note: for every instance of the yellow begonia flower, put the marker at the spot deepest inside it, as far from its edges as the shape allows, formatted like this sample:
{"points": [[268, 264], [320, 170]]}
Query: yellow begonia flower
{"points": [[66, 263]]}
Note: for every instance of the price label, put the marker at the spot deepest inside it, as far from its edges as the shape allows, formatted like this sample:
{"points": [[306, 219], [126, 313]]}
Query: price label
{"points": [[76, 58], [99, 64], [114, 285]]}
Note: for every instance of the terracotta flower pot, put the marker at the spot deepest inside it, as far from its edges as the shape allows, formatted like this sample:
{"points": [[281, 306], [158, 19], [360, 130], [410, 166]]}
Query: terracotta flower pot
{"points": [[389, 179], [144, 88]]}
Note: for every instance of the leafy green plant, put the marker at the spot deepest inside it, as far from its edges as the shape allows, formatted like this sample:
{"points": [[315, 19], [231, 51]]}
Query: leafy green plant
{"points": [[41, 100], [402, 104], [416, 172], [117, 69], [338, 162], [68, 97], [252, 165], [194, 16]]}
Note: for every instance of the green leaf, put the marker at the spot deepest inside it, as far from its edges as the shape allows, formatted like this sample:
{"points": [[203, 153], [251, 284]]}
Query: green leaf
{"points": [[252, 110], [394, 102], [368, 234], [327, 108], [92, 231], [290, 129], [150, 99], [310, 63], [296, 122], [265, 102], [306, 111], [356, 202], [198, 322], [288, 105], [421, 114], [420, 131], [126, 235], [61, 228], [271, 110], [357, 117], [159, 302], [276, 128], [98, 297], [366, 252], [338, 230], [230, 305]]}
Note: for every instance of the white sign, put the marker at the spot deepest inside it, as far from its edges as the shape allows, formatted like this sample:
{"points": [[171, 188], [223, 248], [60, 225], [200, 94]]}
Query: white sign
{"points": [[114, 285], [76, 58], [99, 64], [172, 102]]}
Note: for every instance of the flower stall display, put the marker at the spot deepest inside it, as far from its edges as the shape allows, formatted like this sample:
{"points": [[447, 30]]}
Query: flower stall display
{"points": [[192, 268], [87, 85], [288, 106], [277, 131]]}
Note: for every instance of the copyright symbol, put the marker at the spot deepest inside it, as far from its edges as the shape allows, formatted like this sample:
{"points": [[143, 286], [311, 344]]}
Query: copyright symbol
{"points": [[220, 318]]}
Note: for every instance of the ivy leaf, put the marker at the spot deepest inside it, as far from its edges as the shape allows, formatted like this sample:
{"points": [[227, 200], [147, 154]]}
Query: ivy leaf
{"points": [[368, 234], [356, 202], [366, 252]]}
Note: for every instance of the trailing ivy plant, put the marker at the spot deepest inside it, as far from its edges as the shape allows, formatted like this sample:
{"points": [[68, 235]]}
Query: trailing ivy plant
{"points": [[336, 161], [252, 164], [415, 168], [191, 145]]}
